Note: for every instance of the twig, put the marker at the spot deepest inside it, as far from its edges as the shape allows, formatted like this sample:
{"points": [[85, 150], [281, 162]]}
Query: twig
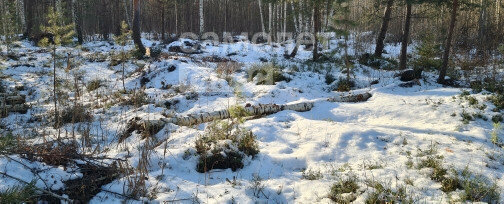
{"points": [[40, 189], [120, 194]]}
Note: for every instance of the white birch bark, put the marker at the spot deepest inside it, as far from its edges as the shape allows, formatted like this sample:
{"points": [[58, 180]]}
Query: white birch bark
{"points": [[21, 13], [262, 17], [126, 12], [270, 15], [259, 110], [202, 17], [285, 20], [294, 18]]}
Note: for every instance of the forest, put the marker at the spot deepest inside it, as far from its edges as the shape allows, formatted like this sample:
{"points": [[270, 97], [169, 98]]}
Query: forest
{"points": [[251, 101]]}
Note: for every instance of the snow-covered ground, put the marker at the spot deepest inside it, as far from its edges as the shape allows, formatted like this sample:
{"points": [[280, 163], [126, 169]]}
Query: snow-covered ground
{"points": [[372, 140]]}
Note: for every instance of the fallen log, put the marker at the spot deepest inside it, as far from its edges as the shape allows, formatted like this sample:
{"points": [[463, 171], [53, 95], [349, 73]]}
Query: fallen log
{"points": [[258, 110], [13, 99], [253, 112], [19, 108], [351, 98]]}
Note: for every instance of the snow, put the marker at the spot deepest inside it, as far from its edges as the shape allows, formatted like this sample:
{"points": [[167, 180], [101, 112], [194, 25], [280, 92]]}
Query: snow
{"points": [[337, 139]]}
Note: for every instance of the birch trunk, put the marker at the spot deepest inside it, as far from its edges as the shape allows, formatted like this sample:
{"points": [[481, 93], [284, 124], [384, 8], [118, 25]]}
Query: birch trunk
{"points": [[202, 17], [262, 17], [259, 110], [253, 111], [270, 19], [285, 21], [21, 13]]}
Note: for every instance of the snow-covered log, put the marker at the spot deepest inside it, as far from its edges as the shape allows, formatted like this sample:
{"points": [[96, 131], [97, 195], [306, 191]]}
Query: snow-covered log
{"points": [[253, 112], [12, 99], [258, 110], [5, 109], [351, 98]]}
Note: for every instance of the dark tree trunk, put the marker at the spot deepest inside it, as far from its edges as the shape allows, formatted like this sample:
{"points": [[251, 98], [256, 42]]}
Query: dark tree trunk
{"points": [[137, 38], [163, 37], [29, 10], [405, 38], [316, 29], [446, 54], [104, 21], [76, 6], [383, 31]]}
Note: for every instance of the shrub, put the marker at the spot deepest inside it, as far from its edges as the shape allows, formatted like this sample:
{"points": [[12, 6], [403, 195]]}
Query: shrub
{"points": [[497, 100], [312, 175], [76, 114], [146, 130], [344, 190], [226, 69], [155, 52], [466, 117], [497, 118], [495, 133], [329, 78], [93, 85], [8, 142], [224, 144], [478, 188], [19, 194], [428, 52], [377, 62], [266, 74], [344, 85], [384, 194], [434, 162], [137, 99]]}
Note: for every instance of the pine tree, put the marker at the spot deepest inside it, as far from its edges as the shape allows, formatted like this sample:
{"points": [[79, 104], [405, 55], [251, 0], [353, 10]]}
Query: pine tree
{"points": [[61, 35], [341, 25], [10, 24], [122, 40]]}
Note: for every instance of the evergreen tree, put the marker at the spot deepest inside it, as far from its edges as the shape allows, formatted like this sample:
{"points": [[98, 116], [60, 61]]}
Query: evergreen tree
{"points": [[61, 35], [341, 25], [10, 24], [122, 40]]}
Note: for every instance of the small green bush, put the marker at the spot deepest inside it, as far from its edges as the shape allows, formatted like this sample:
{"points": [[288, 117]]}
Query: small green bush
{"points": [[466, 117], [348, 186], [312, 175], [378, 62], [93, 85], [497, 118], [8, 142], [224, 144], [344, 85], [19, 194], [497, 100], [329, 78], [384, 194], [76, 114], [266, 74], [477, 188], [428, 53]]}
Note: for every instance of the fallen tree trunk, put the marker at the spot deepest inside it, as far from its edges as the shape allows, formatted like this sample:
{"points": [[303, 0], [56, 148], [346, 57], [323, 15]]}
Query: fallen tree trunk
{"points": [[253, 112], [351, 98], [13, 99], [258, 110], [5, 109]]}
